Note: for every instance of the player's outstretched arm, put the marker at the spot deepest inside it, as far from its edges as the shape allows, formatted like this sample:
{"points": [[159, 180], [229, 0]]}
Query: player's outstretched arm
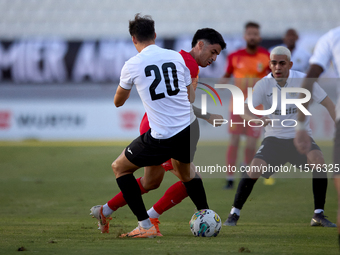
{"points": [[191, 93], [121, 96], [302, 140], [209, 117], [312, 75], [248, 115], [330, 106]]}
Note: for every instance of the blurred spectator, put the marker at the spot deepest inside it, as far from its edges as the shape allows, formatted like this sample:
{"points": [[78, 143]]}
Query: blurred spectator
{"points": [[247, 66], [300, 56]]}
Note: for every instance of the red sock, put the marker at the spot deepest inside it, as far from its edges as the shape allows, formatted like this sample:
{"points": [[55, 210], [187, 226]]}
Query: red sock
{"points": [[249, 155], [119, 201], [173, 196], [231, 157]]}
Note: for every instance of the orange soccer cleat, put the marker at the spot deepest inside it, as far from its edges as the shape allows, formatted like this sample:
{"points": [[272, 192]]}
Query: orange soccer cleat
{"points": [[103, 222], [140, 232], [155, 222]]}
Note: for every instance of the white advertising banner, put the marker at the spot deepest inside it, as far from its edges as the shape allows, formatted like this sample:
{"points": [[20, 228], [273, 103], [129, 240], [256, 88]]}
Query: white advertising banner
{"points": [[69, 120]]}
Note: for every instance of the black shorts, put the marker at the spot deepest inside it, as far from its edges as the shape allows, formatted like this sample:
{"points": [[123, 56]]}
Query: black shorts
{"points": [[277, 152], [336, 150], [148, 151]]}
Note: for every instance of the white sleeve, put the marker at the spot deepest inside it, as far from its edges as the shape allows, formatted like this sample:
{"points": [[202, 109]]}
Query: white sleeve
{"points": [[125, 78], [322, 54], [257, 94], [318, 93]]}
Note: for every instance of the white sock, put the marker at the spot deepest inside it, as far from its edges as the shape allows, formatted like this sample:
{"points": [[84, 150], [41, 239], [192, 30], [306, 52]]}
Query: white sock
{"points": [[318, 210], [152, 213], [235, 210], [145, 223], [107, 211]]}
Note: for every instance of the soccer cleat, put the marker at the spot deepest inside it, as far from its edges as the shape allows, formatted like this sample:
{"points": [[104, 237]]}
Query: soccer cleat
{"points": [[103, 222], [232, 220], [155, 222], [319, 219], [140, 232], [229, 185]]}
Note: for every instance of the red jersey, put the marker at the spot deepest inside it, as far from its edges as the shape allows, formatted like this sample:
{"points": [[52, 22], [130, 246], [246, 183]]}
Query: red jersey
{"points": [[191, 63], [248, 68], [241, 64]]}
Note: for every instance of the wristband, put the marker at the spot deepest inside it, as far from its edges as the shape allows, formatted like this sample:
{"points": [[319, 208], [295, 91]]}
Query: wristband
{"points": [[206, 117]]}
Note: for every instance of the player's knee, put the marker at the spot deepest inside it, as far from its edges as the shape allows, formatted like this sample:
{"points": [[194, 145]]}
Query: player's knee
{"points": [[152, 185], [317, 159], [115, 167], [254, 175]]}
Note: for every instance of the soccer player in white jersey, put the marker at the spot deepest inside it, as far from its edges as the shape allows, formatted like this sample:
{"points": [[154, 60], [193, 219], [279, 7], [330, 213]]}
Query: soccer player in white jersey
{"points": [[278, 148], [207, 44], [164, 85], [300, 56], [326, 50]]}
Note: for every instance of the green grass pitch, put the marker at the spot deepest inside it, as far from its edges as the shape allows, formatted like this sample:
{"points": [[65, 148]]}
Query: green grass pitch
{"points": [[47, 189]]}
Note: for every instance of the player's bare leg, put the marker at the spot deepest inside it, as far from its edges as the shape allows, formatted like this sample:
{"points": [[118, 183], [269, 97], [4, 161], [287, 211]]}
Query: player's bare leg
{"points": [[256, 168], [122, 166], [153, 177]]}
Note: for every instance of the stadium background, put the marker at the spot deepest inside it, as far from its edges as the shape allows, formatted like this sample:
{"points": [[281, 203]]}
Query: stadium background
{"points": [[60, 61], [59, 66]]}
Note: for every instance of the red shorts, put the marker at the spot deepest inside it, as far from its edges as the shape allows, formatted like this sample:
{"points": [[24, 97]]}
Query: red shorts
{"points": [[239, 129], [144, 126]]}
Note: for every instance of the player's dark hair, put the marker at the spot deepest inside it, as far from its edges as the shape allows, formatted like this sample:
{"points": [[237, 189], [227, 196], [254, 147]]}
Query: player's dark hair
{"points": [[142, 27], [251, 24], [210, 35]]}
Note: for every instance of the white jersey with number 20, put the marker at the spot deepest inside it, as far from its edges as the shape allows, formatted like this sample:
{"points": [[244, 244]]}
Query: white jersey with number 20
{"points": [[161, 78]]}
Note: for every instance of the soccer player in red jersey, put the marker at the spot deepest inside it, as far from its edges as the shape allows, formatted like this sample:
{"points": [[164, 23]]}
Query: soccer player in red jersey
{"points": [[206, 46], [247, 66]]}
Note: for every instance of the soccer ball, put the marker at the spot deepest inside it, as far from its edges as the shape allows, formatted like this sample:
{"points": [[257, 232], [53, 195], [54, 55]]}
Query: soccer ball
{"points": [[205, 223]]}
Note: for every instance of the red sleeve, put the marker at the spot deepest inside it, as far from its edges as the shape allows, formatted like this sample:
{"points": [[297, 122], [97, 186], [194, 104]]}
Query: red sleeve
{"points": [[193, 68], [190, 62], [230, 67]]}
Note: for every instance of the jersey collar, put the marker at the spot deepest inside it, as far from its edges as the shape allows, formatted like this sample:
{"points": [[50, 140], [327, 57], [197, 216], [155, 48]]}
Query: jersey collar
{"points": [[277, 85], [149, 47]]}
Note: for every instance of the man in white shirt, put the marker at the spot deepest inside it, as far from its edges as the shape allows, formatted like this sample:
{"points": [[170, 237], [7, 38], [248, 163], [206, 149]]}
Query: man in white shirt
{"points": [[278, 148], [300, 56], [164, 84], [326, 50]]}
